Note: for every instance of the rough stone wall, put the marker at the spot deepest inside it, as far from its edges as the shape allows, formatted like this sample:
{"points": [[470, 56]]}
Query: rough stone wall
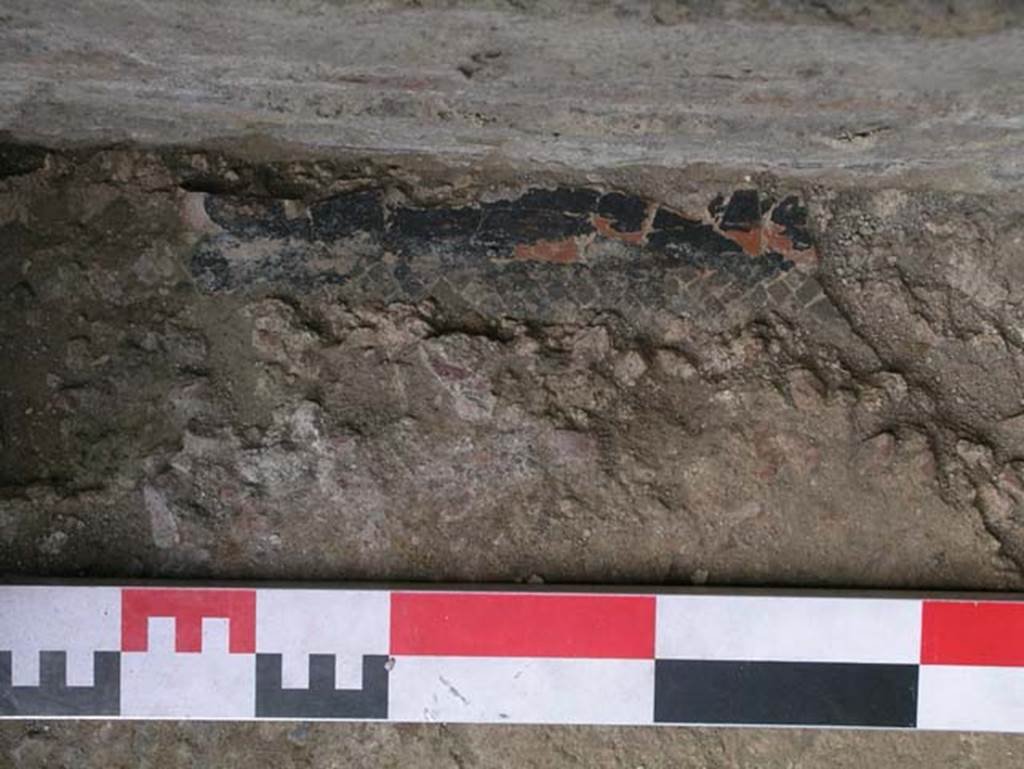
{"points": [[750, 382], [611, 293]]}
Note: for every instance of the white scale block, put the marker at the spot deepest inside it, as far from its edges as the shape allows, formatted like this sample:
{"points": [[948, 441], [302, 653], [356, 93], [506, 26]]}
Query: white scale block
{"points": [[522, 690], [163, 683], [346, 623], [79, 621], [788, 629]]}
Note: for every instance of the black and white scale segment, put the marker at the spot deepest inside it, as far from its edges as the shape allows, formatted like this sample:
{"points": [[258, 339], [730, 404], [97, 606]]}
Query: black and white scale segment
{"points": [[517, 657]]}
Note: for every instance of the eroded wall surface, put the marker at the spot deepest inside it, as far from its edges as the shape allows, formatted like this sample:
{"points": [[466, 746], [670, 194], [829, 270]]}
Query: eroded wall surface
{"points": [[644, 293]]}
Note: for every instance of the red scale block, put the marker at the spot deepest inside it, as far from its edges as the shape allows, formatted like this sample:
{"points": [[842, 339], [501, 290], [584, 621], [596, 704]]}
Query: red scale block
{"points": [[188, 608], [507, 625], [981, 633]]}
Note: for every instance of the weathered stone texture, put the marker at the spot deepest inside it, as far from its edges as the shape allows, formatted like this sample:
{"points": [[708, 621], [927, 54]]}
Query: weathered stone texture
{"points": [[360, 385], [633, 295]]}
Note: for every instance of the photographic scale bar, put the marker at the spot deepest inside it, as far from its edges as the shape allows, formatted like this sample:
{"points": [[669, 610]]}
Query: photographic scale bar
{"points": [[511, 656]]}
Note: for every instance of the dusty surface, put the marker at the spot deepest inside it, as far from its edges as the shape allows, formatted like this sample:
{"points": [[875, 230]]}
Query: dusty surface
{"points": [[758, 87], [650, 293], [317, 745]]}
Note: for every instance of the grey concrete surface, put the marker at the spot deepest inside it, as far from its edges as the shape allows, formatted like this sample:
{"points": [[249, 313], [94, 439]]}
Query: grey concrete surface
{"points": [[588, 89], [209, 374]]}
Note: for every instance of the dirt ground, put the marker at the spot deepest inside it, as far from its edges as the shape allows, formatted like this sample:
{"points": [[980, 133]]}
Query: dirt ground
{"points": [[608, 293]]}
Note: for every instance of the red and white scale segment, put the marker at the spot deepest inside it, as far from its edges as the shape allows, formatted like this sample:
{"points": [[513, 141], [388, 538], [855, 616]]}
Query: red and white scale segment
{"points": [[510, 657]]}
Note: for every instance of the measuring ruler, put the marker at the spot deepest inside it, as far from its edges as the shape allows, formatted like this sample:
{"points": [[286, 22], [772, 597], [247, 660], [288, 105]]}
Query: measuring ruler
{"points": [[478, 655]]}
